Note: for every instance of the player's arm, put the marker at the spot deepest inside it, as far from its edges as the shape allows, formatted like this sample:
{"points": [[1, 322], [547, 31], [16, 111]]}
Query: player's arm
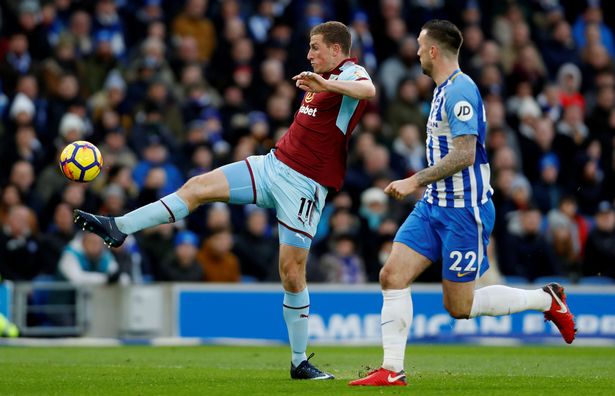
{"points": [[313, 82], [460, 157]]}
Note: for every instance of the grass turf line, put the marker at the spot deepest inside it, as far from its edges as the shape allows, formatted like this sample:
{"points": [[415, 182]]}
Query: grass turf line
{"points": [[240, 370]]}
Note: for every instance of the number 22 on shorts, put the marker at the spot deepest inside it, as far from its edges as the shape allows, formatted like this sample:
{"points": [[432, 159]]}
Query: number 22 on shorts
{"points": [[457, 256]]}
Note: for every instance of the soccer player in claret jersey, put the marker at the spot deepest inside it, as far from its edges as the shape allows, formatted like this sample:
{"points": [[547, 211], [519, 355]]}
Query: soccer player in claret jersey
{"points": [[453, 220], [293, 178]]}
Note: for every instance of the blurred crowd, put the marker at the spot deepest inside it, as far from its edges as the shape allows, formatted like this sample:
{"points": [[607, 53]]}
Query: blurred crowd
{"points": [[172, 89]]}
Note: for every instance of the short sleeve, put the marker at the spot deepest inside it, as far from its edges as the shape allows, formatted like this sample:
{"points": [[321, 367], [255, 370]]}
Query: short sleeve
{"points": [[354, 73], [462, 108]]}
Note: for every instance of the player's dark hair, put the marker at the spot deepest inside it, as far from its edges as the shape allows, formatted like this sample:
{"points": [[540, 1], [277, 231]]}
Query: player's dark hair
{"points": [[444, 33], [334, 32]]}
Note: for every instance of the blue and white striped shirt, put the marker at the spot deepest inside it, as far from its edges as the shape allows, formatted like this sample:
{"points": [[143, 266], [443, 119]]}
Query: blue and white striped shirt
{"points": [[457, 109]]}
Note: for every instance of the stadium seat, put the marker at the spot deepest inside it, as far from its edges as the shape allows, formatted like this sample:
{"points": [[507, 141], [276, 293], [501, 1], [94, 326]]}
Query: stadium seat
{"points": [[515, 280], [596, 280], [543, 280]]}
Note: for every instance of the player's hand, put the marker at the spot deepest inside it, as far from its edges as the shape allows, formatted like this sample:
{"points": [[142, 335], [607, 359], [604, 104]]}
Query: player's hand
{"points": [[400, 189], [310, 82]]}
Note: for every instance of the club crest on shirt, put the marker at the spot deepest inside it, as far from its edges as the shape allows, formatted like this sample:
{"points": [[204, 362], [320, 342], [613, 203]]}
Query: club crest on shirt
{"points": [[309, 96]]}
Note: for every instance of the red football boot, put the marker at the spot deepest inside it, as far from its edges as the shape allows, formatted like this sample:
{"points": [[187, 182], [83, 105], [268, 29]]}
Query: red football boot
{"points": [[381, 377], [559, 313]]}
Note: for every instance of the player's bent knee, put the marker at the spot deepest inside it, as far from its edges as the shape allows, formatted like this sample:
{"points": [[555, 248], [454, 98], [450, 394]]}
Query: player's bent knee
{"points": [[202, 189], [458, 311], [390, 279], [459, 315]]}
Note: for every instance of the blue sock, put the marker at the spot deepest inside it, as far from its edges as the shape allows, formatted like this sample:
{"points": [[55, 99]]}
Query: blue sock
{"points": [[296, 311], [166, 210]]}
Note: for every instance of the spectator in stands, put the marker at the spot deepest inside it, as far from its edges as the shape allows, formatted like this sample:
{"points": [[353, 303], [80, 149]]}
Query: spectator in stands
{"points": [[547, 192], [106, 19], [158, 95], [363, 41], [561, 48], [112, 98], [566, 213], [186, 54], [86, 261], [21, 111], [473, 39], [528, 253], [99, 63], [27, 84], [59, 234], [114, 200], [409, 146], [572, 124], [22, 175], [528, 66], [155, 244], [63, 61], [28, 21], [598, 118], [192, 22], [403, 65], [114, 149], [593, 18], [569, 81], [549, 101], [150, 130], [256, 246], [181, 264], [156, 160], [23, 145], [521, 41], [9, 197], [17, 61], [589, 184], [79, 30], [560, 237], [343, 264], [19, 246], [217, 259], [406, 108], [600, 249]]}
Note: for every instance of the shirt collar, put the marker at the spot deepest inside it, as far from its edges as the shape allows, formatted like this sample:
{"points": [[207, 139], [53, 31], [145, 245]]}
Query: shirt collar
{"points": [[337, 68], [453, 74]]}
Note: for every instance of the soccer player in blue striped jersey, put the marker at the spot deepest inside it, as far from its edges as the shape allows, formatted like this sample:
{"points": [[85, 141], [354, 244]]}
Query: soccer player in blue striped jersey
{"points": [[453, 221]]}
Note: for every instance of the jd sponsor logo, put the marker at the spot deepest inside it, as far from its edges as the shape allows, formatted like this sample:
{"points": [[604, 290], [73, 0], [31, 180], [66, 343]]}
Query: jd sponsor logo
{"points": [[463, 111]]}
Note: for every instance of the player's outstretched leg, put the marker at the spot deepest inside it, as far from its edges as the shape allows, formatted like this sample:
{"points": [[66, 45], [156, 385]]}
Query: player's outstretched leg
{"points": [[103, 226], [209, 187], [499, 300], [559, 312]]}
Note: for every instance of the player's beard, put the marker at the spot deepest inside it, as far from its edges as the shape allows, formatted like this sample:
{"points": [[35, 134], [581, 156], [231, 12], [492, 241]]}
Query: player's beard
{"points": [[427, 68]]}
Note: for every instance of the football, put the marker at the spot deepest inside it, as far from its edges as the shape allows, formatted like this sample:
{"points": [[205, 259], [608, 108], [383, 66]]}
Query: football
{"points": [[81, 161]]}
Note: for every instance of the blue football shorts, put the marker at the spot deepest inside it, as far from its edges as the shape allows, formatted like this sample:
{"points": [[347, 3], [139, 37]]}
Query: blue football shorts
{"points": [[459, 236], [269, 183]]}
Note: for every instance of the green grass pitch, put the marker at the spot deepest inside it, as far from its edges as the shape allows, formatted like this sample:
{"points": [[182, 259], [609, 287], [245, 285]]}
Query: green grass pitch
{"points": [[240, 370]]}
